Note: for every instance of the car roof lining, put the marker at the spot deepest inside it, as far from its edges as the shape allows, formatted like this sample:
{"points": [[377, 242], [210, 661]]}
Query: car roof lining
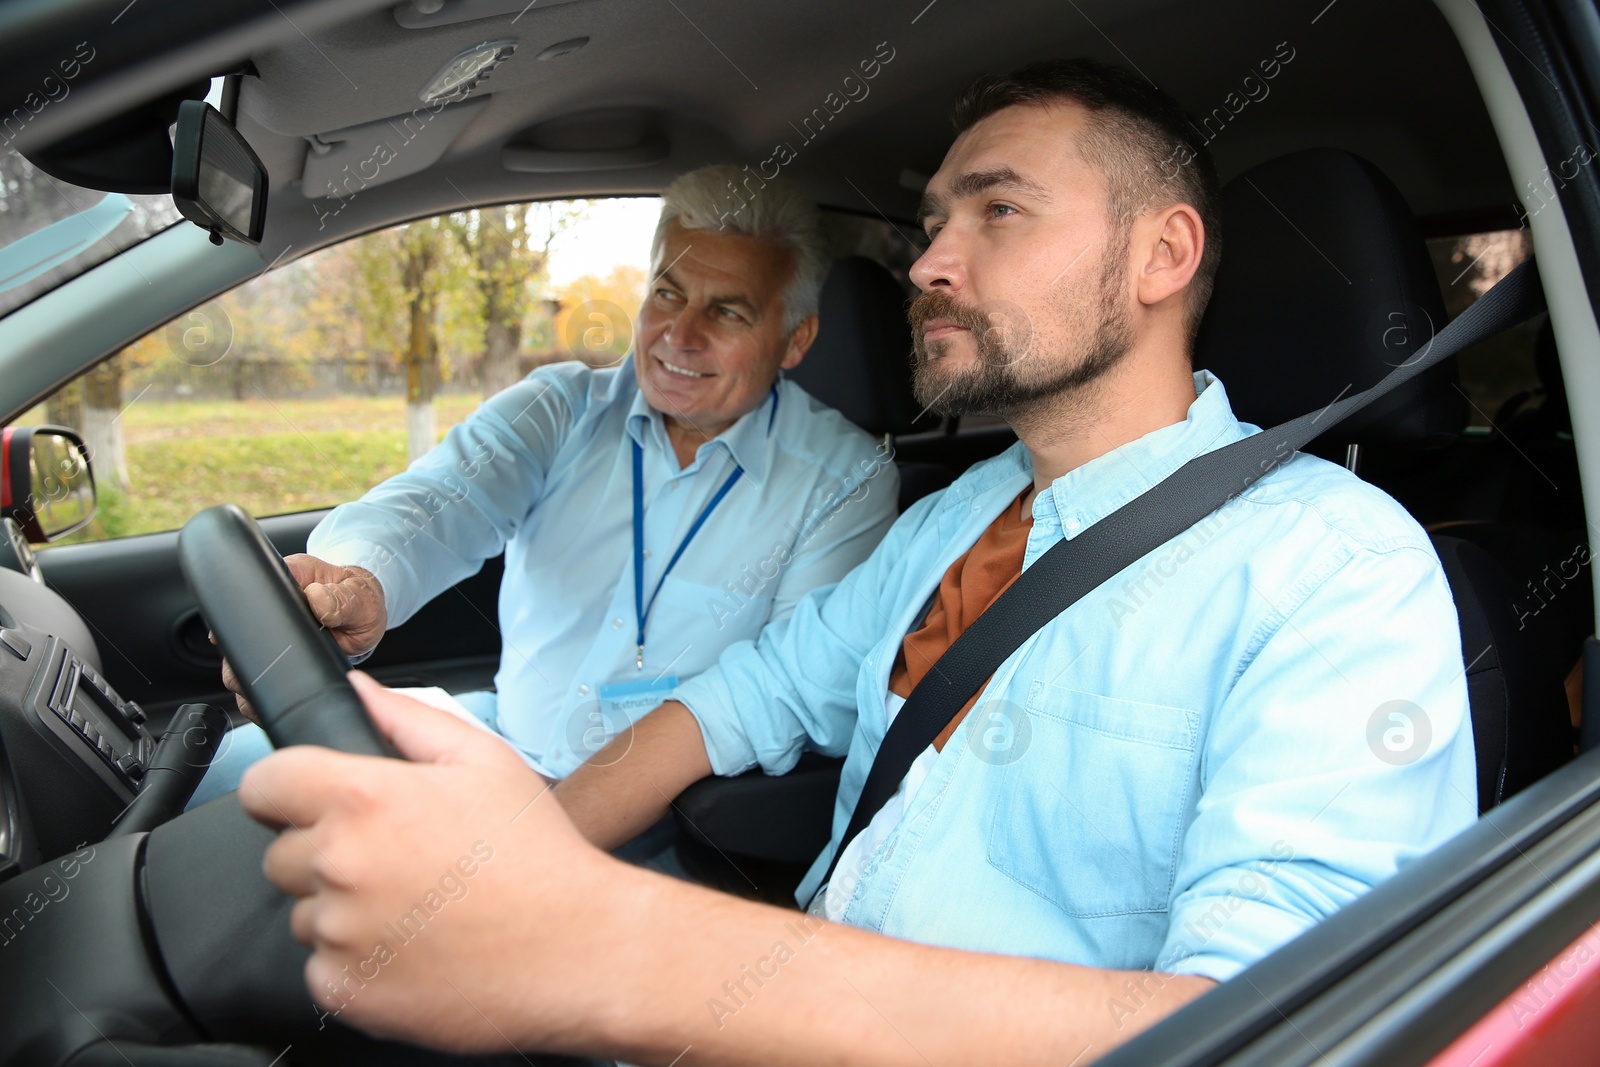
{"points": [[721, 81]]}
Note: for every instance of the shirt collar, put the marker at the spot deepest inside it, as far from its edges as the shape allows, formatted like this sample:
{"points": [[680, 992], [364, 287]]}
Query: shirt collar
{"points": [[745, 442], [1087, 494]]}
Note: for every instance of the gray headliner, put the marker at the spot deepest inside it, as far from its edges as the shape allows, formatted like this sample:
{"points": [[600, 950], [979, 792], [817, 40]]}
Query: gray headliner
{"points": [[1383, 78]]}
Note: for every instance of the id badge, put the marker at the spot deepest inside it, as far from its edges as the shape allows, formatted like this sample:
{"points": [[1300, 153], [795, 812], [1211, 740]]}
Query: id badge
{"points": [[623, 703], [613, 708]]}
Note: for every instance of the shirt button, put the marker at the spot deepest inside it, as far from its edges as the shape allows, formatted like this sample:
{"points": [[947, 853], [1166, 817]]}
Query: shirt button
{"points": [[647, 553], [1072, 524], [583, 690], [673, 486], [616, 624]]}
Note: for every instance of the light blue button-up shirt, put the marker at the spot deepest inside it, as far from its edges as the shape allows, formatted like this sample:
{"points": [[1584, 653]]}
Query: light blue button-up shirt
{"points": [[543, 471], [1237, 735]]}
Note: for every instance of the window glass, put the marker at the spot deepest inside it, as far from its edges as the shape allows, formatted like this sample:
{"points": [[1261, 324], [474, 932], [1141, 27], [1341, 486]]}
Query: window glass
{"points": [[896, 247], [51, 231], [1500, 371], [306, 386]]}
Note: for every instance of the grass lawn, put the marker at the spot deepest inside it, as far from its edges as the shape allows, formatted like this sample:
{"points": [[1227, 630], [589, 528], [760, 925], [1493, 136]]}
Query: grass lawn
{"points": [[269, 457]]}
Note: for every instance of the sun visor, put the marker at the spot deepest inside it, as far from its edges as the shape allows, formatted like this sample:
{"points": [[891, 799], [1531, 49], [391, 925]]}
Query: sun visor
{"points": [[342, 163]]}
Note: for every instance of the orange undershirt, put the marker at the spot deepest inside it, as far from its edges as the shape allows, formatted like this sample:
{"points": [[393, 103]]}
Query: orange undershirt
{"points": [[970, 585]]}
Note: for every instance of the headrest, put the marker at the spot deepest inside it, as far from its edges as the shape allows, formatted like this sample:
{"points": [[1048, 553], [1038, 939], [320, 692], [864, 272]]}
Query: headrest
{"points": [[1325, 286], [860, 362]]}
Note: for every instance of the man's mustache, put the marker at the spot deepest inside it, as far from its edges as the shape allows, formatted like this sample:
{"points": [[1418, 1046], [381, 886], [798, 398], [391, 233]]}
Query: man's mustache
{"points": [[938, 304], [1002, 330]]}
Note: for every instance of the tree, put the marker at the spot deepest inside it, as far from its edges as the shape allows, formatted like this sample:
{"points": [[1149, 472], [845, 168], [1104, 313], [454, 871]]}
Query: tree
{"points": [[420, 254], [403, 272], [374, 261], [65, 406], [102, 424], [509, 250], [502, 259]]}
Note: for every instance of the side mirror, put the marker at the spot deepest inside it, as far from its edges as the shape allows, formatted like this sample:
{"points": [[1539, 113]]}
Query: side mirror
{"points": [[45, 481], [218, 183]]}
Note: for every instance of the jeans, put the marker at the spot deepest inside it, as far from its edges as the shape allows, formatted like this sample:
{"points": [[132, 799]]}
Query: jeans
{"points": [[247, 743], [656, 848]]}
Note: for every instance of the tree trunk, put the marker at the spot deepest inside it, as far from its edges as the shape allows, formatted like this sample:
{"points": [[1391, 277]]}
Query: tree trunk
{"points": [[422, 430], [505, 263], [65, 406], [422, 375], [102, 424], [502, 339]]}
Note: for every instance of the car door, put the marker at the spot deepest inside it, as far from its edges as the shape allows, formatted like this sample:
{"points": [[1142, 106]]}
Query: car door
{"points": [[155, 647]]}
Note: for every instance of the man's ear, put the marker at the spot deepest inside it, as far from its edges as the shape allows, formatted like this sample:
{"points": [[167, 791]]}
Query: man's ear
{"points": [[800, 342], [1168, 247]]}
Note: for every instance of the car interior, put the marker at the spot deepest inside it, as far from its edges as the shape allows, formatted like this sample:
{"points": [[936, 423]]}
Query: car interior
{"points": [[1381, 132]]}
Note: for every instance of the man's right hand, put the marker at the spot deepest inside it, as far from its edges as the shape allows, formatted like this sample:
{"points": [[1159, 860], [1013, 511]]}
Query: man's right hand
{"points": [[346, 600]]}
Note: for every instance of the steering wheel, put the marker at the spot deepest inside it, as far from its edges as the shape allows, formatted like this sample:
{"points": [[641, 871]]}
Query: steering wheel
{"points": [[174, 948], [290, 668]]}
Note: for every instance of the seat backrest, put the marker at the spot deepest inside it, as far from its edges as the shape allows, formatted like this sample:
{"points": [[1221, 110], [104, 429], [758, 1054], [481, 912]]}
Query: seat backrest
{"points": [[1325, 285], [1520, 723], [860, 363]]}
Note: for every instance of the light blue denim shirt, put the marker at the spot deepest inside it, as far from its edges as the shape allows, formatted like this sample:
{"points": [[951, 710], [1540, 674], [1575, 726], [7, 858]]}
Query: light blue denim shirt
{"points": [[544, 472], [1240, 733]]}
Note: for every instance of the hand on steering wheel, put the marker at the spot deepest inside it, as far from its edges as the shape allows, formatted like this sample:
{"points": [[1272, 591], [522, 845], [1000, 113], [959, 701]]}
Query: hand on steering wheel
{"points": [[347, 601], [287, 667]]}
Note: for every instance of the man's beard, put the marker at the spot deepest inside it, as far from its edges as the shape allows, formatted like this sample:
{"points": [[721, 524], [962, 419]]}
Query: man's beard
{"points": [[1012, 373]]}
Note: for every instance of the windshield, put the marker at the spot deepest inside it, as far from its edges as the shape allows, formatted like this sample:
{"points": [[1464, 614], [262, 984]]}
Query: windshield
{"points": [[51, 231]]}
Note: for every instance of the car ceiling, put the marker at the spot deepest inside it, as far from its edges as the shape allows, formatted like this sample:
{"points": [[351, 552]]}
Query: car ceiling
{"points": [[727, 80]]}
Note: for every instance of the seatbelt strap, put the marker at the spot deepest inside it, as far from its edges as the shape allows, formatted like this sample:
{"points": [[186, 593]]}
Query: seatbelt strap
{"points": [[1071, 569]]}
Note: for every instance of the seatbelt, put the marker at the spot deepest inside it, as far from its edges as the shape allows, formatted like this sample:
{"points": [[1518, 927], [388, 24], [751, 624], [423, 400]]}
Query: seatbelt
{"points": [[1071, 569]]}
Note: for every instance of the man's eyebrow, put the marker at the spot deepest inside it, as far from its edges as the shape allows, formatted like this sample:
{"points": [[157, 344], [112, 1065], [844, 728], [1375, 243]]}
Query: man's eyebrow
{"points": [[974, 182], [732, 299]]}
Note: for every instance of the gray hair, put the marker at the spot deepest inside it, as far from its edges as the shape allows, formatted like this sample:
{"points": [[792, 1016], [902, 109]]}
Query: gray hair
{"points": [[738, 200]]}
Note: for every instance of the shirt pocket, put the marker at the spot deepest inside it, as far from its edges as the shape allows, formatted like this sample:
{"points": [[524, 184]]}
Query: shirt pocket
{"points": [[1090, 817], [713, 615]]}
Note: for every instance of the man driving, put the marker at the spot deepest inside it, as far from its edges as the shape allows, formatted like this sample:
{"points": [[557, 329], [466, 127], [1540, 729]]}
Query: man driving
{"points": [[651, 513], [1197, 786]]}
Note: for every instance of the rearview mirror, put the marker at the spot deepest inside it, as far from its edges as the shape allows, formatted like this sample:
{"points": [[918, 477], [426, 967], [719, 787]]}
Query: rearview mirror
{"points": [[218, 183], [46, 484]]}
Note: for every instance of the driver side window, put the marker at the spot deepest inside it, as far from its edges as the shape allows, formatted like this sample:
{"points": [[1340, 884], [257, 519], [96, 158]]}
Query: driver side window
{"points": [[311, 383]]}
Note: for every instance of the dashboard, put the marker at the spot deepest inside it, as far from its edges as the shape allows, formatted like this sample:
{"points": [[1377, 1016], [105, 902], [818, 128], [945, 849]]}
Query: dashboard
{"points": [[73, 752], [16, 553]]}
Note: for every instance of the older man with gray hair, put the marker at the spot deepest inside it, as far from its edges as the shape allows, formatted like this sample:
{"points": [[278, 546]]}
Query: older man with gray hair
{"points": [[651, 514]]}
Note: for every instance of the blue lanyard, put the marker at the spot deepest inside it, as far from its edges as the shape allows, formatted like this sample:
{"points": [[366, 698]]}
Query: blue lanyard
{"points": [[641, 606]]}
